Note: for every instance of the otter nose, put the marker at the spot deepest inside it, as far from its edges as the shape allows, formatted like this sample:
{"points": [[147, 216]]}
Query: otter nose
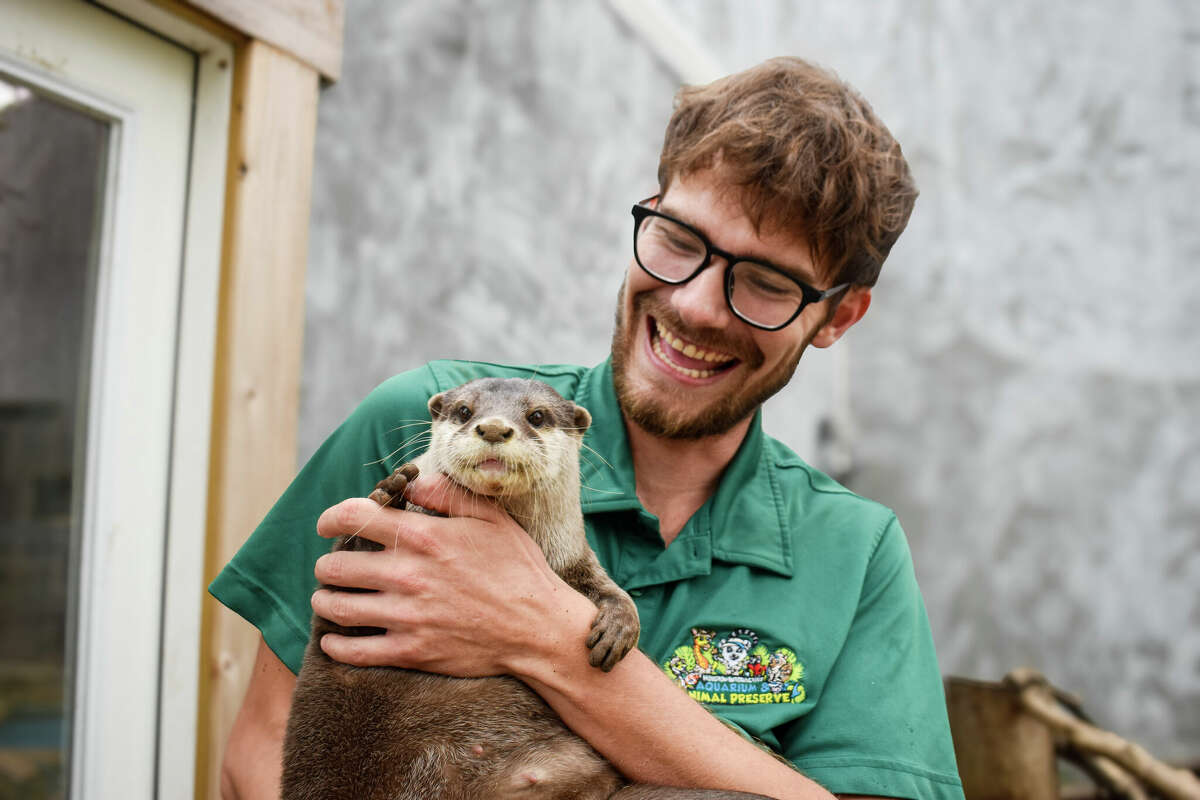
{"points": [[494, 430]]}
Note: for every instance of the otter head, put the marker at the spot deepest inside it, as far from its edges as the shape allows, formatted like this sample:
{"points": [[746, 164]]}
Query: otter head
{"points": [[506, 436]]}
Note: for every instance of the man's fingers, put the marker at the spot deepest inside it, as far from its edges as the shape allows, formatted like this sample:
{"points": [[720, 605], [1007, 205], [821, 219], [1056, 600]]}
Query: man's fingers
{"points": [[360, 651], [346, 568], [359, 516], [438, 493], [349, 517], [352, 609], [366, 570], [389, 527]]}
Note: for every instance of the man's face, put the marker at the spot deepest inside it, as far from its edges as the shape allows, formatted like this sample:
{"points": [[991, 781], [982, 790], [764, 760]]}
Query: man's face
{"points": [[674, 391]]}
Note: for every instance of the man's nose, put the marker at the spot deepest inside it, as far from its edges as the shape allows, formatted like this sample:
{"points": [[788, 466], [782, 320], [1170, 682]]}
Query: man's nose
{"points": [[701, 301]]}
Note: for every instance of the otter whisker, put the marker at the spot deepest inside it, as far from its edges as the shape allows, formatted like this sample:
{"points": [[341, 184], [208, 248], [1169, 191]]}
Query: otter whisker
{"points": [[601, 491], [413, 442], [409, 423], [403, 445], [592, 451]]}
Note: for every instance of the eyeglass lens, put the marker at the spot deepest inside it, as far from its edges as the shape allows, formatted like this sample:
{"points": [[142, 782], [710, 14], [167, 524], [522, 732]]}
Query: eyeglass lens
{"points": [[672, 253]]}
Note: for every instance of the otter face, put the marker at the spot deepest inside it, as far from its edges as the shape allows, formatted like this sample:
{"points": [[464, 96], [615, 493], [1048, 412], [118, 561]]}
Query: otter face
{"points": [[506, 437]]}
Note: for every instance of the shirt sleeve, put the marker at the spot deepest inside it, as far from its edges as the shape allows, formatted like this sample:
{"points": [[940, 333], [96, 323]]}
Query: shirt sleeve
{"points": [[880, 726], [270, 579]]}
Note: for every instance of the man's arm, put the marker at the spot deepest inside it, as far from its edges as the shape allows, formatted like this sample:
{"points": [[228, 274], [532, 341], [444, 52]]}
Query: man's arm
{"points": [[251, 767], [473, 596], [253, 759], [649, 728]]}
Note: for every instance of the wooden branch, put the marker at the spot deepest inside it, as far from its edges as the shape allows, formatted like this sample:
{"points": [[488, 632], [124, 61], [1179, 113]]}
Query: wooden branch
{"points": [[1105, 773], [1038, 697], [1117, 778]]}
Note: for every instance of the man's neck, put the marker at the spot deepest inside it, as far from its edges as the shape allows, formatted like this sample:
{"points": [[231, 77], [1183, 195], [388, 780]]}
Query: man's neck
{"points": [[674, 477]]}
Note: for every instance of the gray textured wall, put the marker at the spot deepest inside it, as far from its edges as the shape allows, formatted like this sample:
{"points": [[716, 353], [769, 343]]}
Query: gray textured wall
{"points": [[1025, 390], [475, 169]]}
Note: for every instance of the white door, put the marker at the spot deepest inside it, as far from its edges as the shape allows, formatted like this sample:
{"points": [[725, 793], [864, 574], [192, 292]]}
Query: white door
{"points": [[108, 271]]}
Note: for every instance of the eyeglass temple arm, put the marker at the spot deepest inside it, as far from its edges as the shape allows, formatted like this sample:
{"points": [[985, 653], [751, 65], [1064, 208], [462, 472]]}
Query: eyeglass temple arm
{"points": [[832, 290]]}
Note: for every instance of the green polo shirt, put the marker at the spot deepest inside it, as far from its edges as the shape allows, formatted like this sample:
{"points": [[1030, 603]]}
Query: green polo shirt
{"points": [[787, 605]]}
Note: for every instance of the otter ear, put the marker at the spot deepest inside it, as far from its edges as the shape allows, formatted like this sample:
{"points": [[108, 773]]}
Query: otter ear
{"points": [[435, 405], [582, 420]]}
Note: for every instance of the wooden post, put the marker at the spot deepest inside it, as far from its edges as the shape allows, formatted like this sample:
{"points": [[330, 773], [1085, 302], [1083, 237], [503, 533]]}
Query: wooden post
{"points": [[258, 356], [1003, 752]]}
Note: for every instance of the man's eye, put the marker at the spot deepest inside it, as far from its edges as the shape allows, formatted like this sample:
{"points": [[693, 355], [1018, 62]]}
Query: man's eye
{"points": [[463, 413], [536, 418], [683, 244], [670, 236], [770, 287], [766, 283]]}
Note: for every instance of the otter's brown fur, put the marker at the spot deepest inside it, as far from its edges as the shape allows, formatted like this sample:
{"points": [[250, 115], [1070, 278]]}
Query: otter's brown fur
{"points": [[381, 733]]}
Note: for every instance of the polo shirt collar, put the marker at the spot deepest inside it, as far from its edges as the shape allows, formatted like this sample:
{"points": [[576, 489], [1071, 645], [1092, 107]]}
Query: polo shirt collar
{"points": [[742, 523]]}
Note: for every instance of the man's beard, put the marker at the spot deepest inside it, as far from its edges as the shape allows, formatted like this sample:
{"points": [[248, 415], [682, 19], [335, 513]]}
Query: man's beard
{"points": [[644, 407]]}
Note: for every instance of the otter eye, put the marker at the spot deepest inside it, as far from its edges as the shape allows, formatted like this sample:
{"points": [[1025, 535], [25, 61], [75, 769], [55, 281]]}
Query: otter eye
{"points": [[463, 413], [537, 418]]}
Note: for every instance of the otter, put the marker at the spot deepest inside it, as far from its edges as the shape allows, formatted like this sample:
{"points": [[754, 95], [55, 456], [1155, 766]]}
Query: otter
{"points": [[384, 733]]}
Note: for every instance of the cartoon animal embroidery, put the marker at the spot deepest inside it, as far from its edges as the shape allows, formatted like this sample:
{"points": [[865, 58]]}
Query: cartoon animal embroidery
{"points": [[685, 677], [735, 668], [756, 666], [702, 648], [734, 650], [778, 671]]}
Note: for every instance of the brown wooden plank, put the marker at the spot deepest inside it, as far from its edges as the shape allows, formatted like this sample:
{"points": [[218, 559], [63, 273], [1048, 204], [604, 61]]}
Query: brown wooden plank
{"points": [[1003, 753], [311, 30], [259, 338]]}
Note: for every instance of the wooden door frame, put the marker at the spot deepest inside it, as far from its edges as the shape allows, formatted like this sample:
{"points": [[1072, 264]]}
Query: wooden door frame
{"points": [[278, 52]]}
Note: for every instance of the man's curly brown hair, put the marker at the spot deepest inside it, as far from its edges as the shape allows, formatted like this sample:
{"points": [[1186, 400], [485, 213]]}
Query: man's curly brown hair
{"points": [[808, 154]]}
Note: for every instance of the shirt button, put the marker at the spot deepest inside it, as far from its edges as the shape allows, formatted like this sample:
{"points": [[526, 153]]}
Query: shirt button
{"points": [[636, 592]]}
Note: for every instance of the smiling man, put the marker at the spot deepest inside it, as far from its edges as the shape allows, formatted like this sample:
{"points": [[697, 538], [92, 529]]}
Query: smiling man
{"points": [[785, 648]]}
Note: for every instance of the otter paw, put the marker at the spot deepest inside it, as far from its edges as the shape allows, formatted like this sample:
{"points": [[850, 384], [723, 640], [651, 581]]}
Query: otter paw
{"points": [[614, 633], [390, 490]]}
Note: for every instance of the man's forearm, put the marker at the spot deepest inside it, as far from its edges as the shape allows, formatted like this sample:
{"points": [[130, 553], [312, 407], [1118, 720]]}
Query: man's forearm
{"points": [[654, 733], [252, 762]]}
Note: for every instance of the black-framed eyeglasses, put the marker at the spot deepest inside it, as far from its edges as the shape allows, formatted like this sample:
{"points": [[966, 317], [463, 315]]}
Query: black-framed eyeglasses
{"points": [[758, 293]]}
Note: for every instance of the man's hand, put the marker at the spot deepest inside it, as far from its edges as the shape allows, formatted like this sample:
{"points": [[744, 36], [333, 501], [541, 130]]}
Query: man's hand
{"points": [[469, 595]]}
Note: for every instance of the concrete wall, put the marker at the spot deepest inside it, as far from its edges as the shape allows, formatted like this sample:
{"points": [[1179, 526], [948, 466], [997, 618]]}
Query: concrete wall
{"points": [[1025, 390], [475, 169]]}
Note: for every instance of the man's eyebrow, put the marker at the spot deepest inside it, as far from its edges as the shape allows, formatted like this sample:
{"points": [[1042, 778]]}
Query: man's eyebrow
{"points": [[667, 209]]}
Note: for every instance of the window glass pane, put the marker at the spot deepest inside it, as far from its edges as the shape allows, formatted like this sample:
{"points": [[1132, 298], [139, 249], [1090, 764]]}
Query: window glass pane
{"points": [[51, 174]]}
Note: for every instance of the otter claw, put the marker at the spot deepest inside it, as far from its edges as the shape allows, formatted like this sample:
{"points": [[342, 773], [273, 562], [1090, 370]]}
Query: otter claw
{"points": [[614, 633], [390, 490]]}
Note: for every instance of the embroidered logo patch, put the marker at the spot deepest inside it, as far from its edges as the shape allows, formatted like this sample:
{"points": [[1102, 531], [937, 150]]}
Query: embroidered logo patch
{"points": [[735, 668]]}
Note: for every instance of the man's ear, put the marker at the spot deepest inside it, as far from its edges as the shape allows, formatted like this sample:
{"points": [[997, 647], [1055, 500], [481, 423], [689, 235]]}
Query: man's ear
{"points": [[849, 311]]}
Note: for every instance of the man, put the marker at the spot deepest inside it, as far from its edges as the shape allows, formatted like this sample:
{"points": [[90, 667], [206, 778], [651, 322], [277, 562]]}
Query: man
{"points": [[770, 595]]}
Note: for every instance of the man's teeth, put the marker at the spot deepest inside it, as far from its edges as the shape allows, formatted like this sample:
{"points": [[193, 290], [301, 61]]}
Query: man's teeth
{"points": [[689, 350]]}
